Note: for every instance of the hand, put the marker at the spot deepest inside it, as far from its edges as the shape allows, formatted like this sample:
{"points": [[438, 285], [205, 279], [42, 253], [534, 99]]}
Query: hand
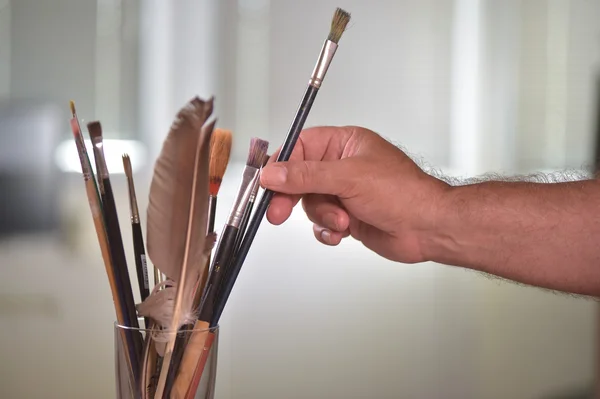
{"points": [[352, 182]]}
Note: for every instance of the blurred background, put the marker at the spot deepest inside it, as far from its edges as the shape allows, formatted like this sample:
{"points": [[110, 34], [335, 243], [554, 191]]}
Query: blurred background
{"points": [[470, 86]]}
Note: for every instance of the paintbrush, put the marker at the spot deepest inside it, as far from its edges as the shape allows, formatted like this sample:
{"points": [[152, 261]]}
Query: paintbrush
{"points": [[177, 238], [338, 26], [226, 245], [115, 242], [211, 336], [248, 211], [223, 254], [111, 218], [220, 151], [136, 231], [96, 210]]}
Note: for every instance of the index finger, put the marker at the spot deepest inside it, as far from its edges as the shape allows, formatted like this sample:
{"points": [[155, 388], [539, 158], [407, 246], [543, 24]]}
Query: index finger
{"points": [[320, 143]]}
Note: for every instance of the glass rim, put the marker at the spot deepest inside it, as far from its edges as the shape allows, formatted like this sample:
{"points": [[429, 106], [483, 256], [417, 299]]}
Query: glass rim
{"points": [[118, 326]]}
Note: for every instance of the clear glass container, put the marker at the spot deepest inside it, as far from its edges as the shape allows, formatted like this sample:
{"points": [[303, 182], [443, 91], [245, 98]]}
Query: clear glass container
{"points": [[193, 370]]}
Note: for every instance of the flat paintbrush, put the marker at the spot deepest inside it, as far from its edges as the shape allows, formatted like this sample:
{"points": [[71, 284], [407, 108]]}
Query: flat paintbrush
{"points": [[338, 26], [221, 259], [115, 240], [248, 211]]}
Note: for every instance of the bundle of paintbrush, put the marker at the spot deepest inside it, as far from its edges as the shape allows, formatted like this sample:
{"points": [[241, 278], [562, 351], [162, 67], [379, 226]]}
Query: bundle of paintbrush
{"points": [[182, 310]]}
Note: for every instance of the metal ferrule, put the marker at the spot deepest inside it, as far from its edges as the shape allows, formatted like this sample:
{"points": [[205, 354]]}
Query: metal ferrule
{"points": [[103, 169], [135, 214], [327, 53], [249, 178], [254, 191]]}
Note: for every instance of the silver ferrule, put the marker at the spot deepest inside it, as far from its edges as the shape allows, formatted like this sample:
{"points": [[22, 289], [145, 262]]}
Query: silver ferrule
{"points": [[254, 191], [101, 164], [249, 178], [327, 53], [135, 214]]}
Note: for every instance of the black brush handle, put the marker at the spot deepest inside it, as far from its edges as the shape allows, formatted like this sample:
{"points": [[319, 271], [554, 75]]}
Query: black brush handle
{"points": [[243, 225], [263, 205], [221, 261], [141, 267], [212, 212]]}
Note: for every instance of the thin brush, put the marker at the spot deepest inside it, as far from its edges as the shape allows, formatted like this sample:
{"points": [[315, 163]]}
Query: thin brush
{"points": [[115, 240], [136, 231], [81, 142], [338, 26], [96, 209], [220, 152], [222, 257]]}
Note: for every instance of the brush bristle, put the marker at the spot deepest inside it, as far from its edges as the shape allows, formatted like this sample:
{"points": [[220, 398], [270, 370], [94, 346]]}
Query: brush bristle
{"points": [[127, 166], [266, 158], [220, 150], [95, 129], [258, 149], [338, 25], [72, 106]]}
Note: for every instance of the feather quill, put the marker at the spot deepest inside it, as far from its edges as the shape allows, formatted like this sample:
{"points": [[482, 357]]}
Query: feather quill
{"points": [[177, 223]]}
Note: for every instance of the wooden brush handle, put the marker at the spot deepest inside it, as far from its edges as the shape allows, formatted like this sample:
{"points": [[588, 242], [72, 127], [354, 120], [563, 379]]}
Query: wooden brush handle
{"points": [[191, 357], [191, 393]]}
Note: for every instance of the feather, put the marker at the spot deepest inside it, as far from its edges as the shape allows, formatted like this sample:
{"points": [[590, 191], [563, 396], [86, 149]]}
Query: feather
{"points": [[177, 222]]}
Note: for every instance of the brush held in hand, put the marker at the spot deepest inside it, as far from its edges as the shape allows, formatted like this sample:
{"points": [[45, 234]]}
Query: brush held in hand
{"points": [[339, 23]]}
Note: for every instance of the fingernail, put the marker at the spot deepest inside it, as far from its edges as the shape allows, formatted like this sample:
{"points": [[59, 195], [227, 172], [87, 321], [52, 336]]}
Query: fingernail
{"points": [[326, 236], [273, 174]]}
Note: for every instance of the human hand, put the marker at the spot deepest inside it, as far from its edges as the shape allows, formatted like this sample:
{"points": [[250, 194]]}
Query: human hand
{"points": [[352, 182]]}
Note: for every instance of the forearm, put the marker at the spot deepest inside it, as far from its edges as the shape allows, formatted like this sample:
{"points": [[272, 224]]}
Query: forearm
{"points": [[546, 235]]}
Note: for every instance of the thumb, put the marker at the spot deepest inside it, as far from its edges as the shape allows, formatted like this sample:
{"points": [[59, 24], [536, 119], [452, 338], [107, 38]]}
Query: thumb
{"points": [[307, 177]]}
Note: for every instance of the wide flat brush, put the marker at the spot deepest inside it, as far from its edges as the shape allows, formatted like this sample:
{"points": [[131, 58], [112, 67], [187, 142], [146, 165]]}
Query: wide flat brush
{"points": [[221, 259], [338, 26], [115, 242], [248, 211], [115, 239]]}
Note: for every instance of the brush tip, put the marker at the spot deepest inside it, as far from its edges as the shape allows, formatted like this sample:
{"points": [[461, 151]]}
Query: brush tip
{"points": [[127, 165], [72, 106], [258, 149], [220, 151], [95, 129], [338, 25]]}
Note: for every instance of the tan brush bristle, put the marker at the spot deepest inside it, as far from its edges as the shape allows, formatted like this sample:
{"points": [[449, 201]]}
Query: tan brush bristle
{"points": [[338, 25], [220, 150], [72, 106]]}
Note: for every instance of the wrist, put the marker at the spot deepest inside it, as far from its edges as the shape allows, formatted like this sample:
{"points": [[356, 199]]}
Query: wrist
{"points": [[440, 241]]}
